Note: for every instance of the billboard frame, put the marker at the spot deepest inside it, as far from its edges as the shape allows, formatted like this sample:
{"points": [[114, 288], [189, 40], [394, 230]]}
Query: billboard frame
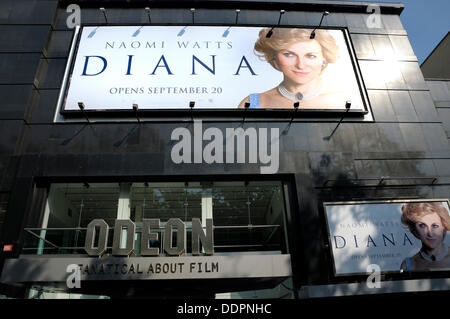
{"points": [[174, 114], [374, 201]]}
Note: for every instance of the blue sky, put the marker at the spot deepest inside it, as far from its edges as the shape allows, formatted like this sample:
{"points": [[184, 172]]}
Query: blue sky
{"points": [[426, 22]]}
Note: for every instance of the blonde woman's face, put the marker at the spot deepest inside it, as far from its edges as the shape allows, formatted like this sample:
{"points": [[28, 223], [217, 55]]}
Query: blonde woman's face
{"points": [[301, 62], [430, 230]]}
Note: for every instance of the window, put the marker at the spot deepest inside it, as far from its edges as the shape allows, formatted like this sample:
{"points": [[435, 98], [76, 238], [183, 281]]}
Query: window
{"points": [[247, 216]]}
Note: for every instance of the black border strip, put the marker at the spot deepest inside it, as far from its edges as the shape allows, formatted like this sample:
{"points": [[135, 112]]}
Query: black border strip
{"points": [[293, 5]]}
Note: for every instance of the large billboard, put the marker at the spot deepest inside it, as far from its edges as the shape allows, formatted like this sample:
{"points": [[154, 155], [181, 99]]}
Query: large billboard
{"points": [[397, 236], [167, 67]]}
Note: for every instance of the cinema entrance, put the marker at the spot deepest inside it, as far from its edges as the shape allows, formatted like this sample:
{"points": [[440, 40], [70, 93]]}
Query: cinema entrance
{"points": [[247, 228]]}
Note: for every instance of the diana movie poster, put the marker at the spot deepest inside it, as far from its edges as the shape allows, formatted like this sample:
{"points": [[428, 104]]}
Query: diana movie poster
{"points": [[397, 236], [166, 67]]}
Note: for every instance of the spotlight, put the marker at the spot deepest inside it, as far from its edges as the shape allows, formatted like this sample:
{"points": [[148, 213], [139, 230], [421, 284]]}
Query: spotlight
{"points": [[246, 107], [147, 9], [191, 105], [348, 104], [81, 107], [296, 106], [313, 33], [103, 10], [269, 34], [227, 31], [193, 15], [135, 109]]}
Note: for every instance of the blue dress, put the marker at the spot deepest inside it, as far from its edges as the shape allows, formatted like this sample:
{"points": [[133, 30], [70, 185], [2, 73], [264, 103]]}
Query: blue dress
{"points": [[254, 100], [408, 263]]}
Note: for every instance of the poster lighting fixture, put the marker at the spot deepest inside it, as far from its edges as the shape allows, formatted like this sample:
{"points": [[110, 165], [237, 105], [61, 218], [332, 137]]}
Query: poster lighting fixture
{"points": [[313, 33], [183, 30], [136, 109], [191, 106], [81, 107], [269, 34], [246, 107], [237, 15], [103, 10], [69, 139], [296, 106], [147, 10], [348, 104], [227, 31], [193, 15]]}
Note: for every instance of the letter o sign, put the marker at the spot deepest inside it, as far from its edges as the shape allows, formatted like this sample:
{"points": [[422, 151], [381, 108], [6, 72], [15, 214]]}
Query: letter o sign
{"points": [[100, 226]]}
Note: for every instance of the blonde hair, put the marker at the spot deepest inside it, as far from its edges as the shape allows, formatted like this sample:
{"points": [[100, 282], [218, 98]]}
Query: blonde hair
{"points": [[267, 48], [412, 212]]}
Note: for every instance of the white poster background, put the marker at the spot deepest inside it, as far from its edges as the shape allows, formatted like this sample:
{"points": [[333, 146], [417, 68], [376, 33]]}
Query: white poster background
{"points": [[113, 89], [350, 227]]}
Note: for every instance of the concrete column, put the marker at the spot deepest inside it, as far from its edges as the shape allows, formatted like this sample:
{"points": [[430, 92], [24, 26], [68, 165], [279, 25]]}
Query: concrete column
{"points": [[123, 209], [138, 213], [207, 205], [44, 225]]}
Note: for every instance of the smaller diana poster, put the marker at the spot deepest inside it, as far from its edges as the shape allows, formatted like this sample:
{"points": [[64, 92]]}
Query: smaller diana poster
{"points": [[398, 236]]}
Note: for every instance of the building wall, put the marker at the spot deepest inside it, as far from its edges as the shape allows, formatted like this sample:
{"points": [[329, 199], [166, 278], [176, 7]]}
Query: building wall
{"points": [[406, 139], [433, 66], [440, 93]]}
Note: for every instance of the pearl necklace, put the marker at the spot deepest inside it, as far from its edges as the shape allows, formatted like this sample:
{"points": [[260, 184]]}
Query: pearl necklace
{"points": [[299, 96], [434, 258]]}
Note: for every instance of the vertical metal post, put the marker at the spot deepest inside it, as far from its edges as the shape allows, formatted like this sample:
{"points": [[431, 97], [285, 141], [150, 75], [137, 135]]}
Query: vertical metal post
{"points": [[123, 210], [43, 232], [77, 232], [207, 209]]}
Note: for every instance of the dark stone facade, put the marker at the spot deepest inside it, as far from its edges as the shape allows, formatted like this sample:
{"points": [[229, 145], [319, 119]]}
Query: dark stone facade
{"points": [[405, 140]]}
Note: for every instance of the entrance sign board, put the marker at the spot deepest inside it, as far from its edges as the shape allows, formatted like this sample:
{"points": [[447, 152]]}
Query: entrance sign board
{"points": [[53, 269]]}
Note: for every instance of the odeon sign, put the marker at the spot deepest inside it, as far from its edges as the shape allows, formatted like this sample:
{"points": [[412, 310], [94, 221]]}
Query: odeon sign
{"points": [[124, 246], [149, 263]]}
